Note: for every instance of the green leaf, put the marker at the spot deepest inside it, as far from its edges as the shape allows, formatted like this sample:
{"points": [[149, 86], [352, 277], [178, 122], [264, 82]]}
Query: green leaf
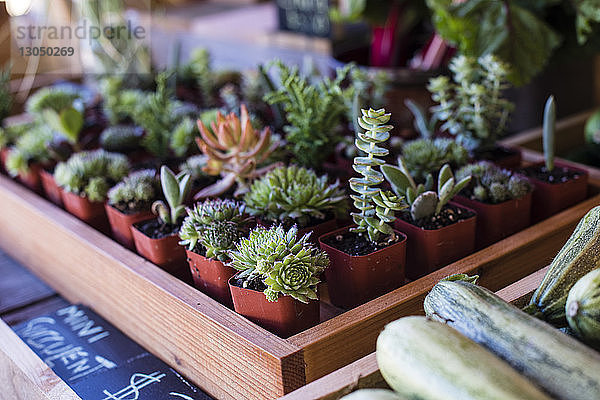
{"points": [[588, 12], [71, 121], [399, 181], [170, 186]]}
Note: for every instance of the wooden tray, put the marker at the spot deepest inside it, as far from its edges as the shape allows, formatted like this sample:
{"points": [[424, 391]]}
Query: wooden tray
{"points": [[217, 349], [364, 373]]}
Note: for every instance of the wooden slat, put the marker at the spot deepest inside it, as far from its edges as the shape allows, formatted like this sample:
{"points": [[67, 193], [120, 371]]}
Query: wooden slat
{"points": [[45, 306], [24, 376], [202, 339], [519, 293], [326, 345]]}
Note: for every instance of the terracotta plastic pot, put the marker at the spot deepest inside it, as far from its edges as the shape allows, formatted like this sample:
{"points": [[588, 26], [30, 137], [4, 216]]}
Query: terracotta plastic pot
{"points": [[511, 160], [353, 280], [211, 277], [3, 156], [164, 252], [284, 317], [32, 178], [498, 221], [120, 224], [90, 212], [50, 187], [428, 250], [550, 198]]}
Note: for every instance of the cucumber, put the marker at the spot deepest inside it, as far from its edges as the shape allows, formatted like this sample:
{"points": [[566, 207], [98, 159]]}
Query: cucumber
{"points": [[561, 365], [579, 255], [583, 308], [372, 394], [424, 359]]}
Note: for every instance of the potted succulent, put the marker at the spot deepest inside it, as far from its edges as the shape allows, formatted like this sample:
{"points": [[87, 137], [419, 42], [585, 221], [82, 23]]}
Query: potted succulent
{"points": [[427, 156], [277, 285], [501, 198], [297, 196], [368, 259], [157, 239], [438, 232], [234, 150], [85, 179], [195, 167], [557, 185], [210, 230], [9, 135], [471, 107], [130, 201], [124, 139]]}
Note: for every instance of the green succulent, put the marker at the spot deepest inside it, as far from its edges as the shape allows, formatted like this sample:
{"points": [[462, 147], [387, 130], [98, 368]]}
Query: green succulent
{"points": [[216, 225], [287, 265], [10, 134], [175, 189], [376, 208], [120, 138], [491, 184], [198, 71], [297, 194], [471, 106], [427, 156], [135, 192], [194, 166], [425, 127], [119, 103], [182, 138], [91, 173], [6, 96], [423, 201], [51, 98], [30, 147], [548, 132]]}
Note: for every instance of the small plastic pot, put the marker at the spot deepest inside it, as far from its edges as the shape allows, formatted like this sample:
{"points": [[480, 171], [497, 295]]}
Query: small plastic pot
{"points": [[120, 224], [211, 277], [511, 160], [551, 198], [284, 317], [430, 249], [353, 280], [32, 178], [3, 156], [498, 221], [90, 212], [50, 187], [164, 252]]}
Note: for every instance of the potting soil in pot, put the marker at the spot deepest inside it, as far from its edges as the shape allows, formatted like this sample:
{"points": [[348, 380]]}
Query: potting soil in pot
{"points": [[449, 215], [155, 230], [557, 175], [355, 244]]}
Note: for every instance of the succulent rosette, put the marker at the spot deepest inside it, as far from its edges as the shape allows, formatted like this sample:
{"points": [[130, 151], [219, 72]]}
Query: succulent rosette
{"points": [[286, 264]]}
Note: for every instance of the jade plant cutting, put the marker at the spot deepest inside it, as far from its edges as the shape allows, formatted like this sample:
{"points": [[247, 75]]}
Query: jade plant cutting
{"points": [[423, 201], [295, 195], [491, 184], [234, 150], [278, 262], [214, 226], [471, 106]]}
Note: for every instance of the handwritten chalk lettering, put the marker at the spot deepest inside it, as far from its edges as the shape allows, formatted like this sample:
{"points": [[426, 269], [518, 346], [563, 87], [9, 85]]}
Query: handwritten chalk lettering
{"points": [[102, 363], [81, 324], [137, 381], [183, 396]]}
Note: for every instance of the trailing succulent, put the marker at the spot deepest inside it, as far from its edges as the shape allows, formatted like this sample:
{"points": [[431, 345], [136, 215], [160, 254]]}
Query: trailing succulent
{"points": [[427, 156], [471, 106], [376, 207], [91, 173], [135, 192], [491, 184], [121, 138], [29, 147], [217, 225], [175, 189], [313, 113], [234, 150], [295, 194], [286, 264], [423, 201]]}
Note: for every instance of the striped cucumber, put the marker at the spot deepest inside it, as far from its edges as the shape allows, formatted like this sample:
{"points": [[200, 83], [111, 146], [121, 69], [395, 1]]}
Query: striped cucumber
{"points": [[583, 308], [424, 359], [579, 255], [564, 367]]}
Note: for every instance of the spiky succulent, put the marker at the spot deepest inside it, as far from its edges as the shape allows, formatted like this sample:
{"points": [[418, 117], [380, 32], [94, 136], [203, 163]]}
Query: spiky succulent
{"points": [[119, 102], [427, 156], [121, 138], [91, 173], [376, 209], [295, 194], [135, 192], [286, 264], [175, 189], [216, 225], [30, 147], [10, 134], [424, 202], [471, 106], [234, 149], [491, 184], [53, 98]]}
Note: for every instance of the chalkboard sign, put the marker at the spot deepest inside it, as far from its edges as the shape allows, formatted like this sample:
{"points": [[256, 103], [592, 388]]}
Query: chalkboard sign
{"points": [[310, 17], [75, 342]]}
